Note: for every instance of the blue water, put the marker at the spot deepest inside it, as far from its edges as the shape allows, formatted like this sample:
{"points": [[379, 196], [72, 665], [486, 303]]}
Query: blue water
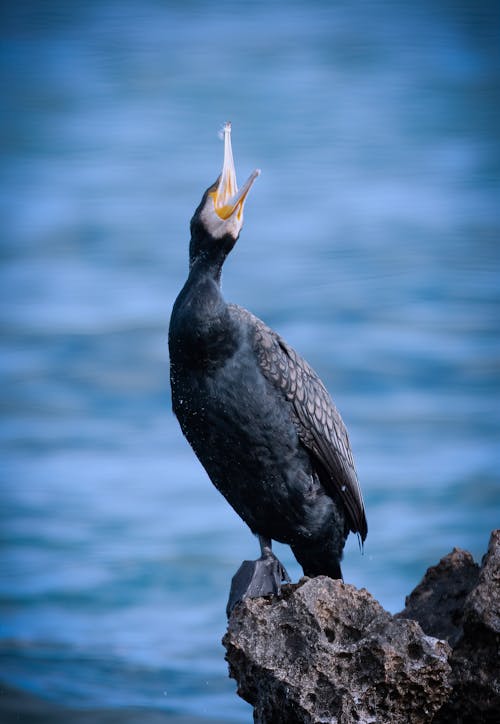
{"points": [[371, 242]]}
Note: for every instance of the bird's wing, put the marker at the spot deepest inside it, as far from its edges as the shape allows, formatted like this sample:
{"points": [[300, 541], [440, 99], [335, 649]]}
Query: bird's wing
{"points": [[319, 425]]}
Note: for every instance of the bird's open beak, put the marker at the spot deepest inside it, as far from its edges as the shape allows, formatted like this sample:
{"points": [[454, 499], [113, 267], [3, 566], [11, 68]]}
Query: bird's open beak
{"points": [[227, 199]]}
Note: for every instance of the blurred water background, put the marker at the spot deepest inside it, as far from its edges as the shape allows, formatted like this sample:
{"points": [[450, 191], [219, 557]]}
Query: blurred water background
{"points": [[371, 243]]}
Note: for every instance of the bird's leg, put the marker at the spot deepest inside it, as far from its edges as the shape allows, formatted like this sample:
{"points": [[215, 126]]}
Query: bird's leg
{"points": [[262, 577], [267, 555]]}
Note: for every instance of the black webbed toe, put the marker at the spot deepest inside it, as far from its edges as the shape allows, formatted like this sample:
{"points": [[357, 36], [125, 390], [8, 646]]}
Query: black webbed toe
{"points": [[262, 577]]}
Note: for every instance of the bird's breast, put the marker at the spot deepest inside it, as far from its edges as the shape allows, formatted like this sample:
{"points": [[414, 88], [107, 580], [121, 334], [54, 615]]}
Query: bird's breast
{"points": [[201, 335], [230, 410]]}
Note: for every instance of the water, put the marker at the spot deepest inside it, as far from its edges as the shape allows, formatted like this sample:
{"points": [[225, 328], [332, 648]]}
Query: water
{"points": [[370, 243]]}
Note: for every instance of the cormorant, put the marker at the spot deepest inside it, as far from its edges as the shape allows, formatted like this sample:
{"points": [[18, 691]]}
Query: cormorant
{"points": [[257, 416]]}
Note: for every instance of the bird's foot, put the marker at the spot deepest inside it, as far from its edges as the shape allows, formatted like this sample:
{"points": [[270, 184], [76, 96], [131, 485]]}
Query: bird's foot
{"points": [[262, 577]]}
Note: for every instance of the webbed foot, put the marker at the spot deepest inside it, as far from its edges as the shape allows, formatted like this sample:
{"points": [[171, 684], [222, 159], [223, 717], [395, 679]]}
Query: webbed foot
{"points": [[262, 577]]}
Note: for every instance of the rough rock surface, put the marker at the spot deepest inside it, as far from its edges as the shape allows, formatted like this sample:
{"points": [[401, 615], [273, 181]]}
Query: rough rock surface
{"points": [[327, 652], [437, 603], [476, 657]]}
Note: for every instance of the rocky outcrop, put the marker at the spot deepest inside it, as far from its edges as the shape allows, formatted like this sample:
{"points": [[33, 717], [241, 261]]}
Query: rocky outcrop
{"points": [[325, 651], [437, 603], [475, 660]]}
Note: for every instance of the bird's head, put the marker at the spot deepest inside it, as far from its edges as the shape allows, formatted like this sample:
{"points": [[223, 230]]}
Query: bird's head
{"points": [[218, 219]]}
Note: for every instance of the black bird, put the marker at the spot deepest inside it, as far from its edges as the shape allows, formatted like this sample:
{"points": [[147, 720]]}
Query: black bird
{"points": [[257, 416]]}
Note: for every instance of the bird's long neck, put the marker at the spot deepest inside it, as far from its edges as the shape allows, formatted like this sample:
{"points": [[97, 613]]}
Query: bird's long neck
{"points": [[201, 331], [207, 255], [205, 267]]}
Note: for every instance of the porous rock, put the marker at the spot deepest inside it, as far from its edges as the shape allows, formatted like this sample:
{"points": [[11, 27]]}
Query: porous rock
{"points": [[437, 603], [327, 652], [476, 657]]}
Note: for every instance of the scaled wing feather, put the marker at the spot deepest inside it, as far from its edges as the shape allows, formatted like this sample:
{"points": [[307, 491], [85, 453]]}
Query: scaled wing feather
{"points": [[319, 425]]}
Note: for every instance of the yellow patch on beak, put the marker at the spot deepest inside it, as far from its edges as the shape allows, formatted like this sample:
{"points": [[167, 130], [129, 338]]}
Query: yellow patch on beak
{"points": [[227, 198]]}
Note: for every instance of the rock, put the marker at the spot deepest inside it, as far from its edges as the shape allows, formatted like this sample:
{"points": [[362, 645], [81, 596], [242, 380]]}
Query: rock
{"points": [[437, 603], [476, 657], [327, 652]]}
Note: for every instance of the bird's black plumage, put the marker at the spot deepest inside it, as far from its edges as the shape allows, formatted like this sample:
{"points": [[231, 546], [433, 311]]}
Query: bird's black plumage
{"points": [[257, 416]]}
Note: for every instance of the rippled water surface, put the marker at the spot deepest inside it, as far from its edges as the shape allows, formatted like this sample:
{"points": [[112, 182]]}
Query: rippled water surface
{"points": [[371, 243]]}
